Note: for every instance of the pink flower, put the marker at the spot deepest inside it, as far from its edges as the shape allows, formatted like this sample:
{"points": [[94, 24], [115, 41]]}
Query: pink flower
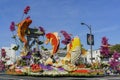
{"points": [[26, 9], [12, 26]]}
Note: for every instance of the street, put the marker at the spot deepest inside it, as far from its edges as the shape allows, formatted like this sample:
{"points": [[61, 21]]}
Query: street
{"points": [[12, 77]]}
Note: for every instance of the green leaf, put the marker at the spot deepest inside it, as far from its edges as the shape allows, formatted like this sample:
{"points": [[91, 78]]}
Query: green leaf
{"points": [[16, 48]]}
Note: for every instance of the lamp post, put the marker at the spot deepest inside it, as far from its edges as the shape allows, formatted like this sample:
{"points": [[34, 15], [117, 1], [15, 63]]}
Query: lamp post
{"points": [[89, 27]]}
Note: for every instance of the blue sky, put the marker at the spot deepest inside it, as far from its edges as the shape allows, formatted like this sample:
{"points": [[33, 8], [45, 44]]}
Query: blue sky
{"points": [[57, 15]]}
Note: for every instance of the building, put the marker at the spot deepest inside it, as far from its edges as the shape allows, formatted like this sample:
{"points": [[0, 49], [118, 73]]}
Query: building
{"points": [[95, 55], [10, 55]]}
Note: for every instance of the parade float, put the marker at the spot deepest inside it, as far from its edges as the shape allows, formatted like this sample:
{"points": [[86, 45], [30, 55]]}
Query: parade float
{"points": [[37, 60]]}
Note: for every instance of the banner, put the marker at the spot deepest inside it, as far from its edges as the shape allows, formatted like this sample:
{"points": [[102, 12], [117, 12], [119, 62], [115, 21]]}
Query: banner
{"points": [[90, 39]]}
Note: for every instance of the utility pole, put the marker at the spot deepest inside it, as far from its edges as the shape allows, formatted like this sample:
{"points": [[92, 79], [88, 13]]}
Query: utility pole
{"points": [[89, 27]]}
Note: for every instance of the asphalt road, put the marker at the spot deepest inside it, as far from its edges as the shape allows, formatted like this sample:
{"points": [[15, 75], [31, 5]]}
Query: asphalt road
{"points": [[11, 77]]}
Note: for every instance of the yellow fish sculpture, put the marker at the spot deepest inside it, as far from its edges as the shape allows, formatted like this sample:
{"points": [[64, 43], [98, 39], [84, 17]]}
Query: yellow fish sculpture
{"points": [[73, 50]]}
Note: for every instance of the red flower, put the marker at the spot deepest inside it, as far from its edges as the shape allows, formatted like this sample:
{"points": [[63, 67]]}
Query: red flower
{"points": [[81, 71], [12, 26], [26, 9]]}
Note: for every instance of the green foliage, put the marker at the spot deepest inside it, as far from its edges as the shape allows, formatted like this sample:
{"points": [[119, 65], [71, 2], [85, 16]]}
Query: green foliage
{"points": [[65, 48], [40, 42], [104, 65], [22, 62], [16, 48], [115, 48], [43, 48]]}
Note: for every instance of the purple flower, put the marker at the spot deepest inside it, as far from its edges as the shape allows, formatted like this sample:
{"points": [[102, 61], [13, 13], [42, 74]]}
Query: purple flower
{"points": [[12, 26], [61, 69], [116, 55], [28, 17], [26, 10], [104, 41], [42, 30], [114, 63], [34, 50], [49, 67], [3, 53], [104, 48], [28, 56], [66, 36], [46, 67], [2, 65]]}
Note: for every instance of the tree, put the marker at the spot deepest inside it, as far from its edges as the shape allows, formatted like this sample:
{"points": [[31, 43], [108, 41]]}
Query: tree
{"points": [[115, 48]]}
